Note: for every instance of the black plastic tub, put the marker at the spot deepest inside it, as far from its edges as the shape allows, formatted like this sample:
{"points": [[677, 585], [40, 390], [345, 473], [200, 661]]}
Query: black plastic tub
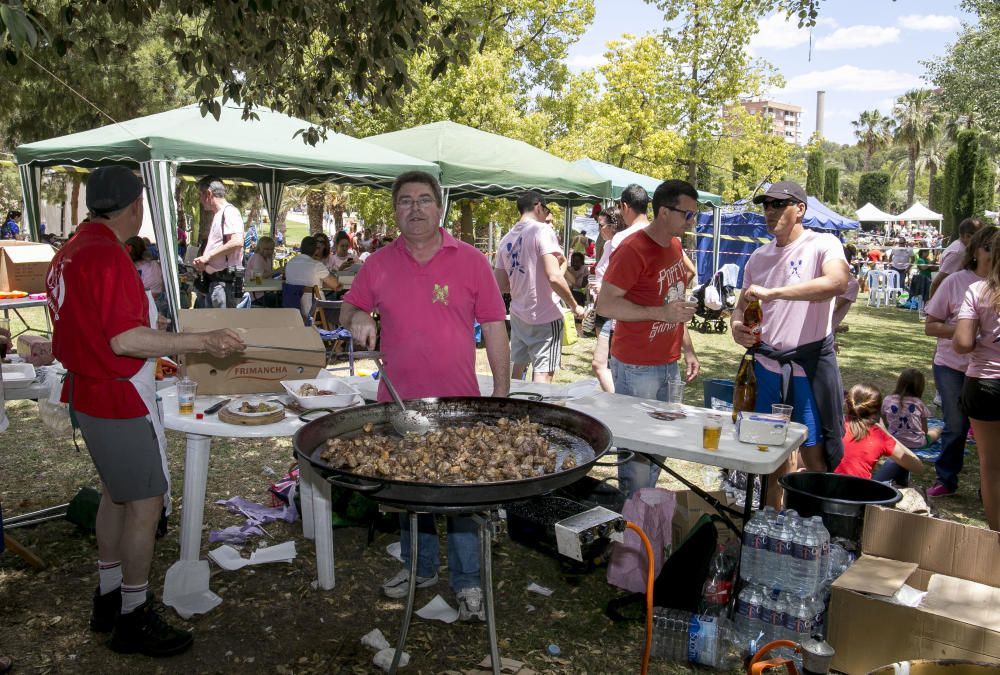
{"points": [[839, 500]]}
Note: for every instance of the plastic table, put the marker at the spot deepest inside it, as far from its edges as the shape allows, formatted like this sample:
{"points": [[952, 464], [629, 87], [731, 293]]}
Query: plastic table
{"points": [[9, 306]]}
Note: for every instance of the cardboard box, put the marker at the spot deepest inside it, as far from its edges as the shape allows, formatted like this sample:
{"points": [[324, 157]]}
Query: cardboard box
{"points": [[23, 265], [35, 349], [690, 507], [959, 618], [256, 370]]}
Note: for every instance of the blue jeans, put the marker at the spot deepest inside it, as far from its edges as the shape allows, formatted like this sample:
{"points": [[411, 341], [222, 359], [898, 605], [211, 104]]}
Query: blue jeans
{"points": [[463, 548], [644, 382], [890, 472], [956, 425]]}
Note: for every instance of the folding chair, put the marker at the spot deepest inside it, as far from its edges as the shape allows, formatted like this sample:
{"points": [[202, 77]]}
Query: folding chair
{"points": [[291, 298], [893, 289], [326, 318], [877, 282]]}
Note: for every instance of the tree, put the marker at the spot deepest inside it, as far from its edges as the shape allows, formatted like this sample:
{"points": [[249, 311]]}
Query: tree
{"points": [[949, 225], [917, 122], [984, 189], [815, 175], [874, 187], [963, 200], [873, 131], [831, 186]]}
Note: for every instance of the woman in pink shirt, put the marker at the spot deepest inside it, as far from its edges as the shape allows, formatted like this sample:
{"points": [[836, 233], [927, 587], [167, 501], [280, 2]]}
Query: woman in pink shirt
{"points": [[950, 366], [978, 334]]}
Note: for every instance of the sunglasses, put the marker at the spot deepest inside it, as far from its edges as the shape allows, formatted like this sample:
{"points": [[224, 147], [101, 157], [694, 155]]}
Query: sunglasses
{"points": [[688, 215], [777, 203]]}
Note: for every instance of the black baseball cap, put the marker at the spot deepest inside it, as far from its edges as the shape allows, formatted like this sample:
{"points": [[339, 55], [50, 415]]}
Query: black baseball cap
{"points": [[785, 189], [112, 188]]}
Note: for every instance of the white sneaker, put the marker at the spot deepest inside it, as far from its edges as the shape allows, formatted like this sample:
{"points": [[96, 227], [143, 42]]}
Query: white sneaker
{"points": [[470, 604], [399, 585]]}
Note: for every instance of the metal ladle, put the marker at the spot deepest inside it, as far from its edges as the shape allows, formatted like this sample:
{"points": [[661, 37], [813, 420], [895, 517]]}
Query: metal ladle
{"points": [[404, 421]]}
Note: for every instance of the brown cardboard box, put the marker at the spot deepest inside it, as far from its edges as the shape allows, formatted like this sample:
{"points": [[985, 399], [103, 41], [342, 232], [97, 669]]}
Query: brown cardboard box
{"points": [[959, 618], [35, 349], [255, 370], [23, 265], [690, 507]]}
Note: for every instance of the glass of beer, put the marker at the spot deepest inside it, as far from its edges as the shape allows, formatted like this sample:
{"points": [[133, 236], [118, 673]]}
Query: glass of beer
{"points": [[258, 278], [711, 432], [186, 392]]}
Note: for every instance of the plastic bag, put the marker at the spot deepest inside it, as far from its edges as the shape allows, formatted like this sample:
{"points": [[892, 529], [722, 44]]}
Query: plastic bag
{"points": [[569, 329], [713, 300], [652, 509], [55, 415]]}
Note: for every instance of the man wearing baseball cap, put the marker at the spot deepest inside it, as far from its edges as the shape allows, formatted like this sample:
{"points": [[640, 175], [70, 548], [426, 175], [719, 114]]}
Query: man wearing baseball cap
{"points": [[796, 277], [103, 332]]}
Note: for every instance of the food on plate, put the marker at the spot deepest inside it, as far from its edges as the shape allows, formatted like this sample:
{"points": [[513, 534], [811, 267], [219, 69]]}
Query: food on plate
{"points": [[484, 453], [308, 389], [248, 407]]}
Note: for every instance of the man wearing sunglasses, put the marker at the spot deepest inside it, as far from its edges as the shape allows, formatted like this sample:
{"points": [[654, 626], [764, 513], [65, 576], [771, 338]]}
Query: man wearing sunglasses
{"points": [[796, 277]]}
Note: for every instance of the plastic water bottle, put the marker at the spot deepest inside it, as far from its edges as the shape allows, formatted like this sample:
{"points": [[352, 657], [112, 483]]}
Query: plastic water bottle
{"points": [[800, 617], [807, 556], [779, 545], [754, 547], [824, 540], [749, 629], [772, 616], [689, 638]]}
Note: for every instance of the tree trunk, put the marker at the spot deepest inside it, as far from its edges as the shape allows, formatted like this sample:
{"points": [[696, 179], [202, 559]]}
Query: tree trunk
{"points": [[315, 201], [179, 207], [932, 174], [468, 233], [74, 202], [911, 178], [338, 216]]}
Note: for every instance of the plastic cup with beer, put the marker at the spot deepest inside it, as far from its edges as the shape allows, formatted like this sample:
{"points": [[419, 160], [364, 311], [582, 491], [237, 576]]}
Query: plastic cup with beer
{"points": [[187, 389], [711, 431], [258, 278], [675, 394], [782, 409]]}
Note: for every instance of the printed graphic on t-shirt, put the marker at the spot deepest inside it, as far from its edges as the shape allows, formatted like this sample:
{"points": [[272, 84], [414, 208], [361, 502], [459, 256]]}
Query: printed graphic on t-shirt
{"points": [[54, 281], [514, 251], [794, 269], [440, 294], [674, 278]]}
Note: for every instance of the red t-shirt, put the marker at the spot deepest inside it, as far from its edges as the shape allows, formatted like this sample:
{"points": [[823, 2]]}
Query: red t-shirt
{"points": [[95, 294], [650, 275], [861, 456], [875, 255]]}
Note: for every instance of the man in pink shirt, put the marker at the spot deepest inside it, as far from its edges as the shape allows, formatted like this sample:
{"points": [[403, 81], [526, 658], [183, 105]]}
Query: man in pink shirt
{"points": [[428, 289], [952, 257], [796, 277], [528, 266]]}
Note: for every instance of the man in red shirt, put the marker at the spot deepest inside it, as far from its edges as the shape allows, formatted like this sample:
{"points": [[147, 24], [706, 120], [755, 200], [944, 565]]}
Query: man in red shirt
{"points": [[643, 290], [428, 289], [102, 333]]}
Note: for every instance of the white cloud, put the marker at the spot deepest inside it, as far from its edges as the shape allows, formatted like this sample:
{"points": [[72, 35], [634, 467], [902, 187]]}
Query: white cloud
{"points": [[929, 22], [858, 37], [584, 61], [852, 78], [778, 32]]}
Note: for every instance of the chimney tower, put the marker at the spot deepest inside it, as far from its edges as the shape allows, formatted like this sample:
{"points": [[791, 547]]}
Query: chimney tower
{"points": [[820, 102]]}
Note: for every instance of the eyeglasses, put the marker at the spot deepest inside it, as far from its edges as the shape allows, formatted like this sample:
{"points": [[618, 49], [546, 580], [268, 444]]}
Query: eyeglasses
{"points": [[688, 215], [777, 203], [407, 203]]}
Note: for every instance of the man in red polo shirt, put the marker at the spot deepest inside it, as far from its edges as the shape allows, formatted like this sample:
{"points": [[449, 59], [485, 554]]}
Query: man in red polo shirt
{"points": [[428, 289], [102, 332]]}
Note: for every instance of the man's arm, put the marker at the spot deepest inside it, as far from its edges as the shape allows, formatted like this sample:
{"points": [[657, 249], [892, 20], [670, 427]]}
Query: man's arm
{"points": [[360, 323], [331, 281], [503, 281], [938, 278], [143, 342], [832, 283], [557, 281], [498, 354], [613, 304]]}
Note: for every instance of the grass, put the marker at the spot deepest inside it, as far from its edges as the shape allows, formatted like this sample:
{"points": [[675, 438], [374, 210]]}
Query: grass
{"points": [[272, 620]]}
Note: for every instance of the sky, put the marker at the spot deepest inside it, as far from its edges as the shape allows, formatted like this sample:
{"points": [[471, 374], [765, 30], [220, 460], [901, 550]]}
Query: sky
{"points": [[862, 60]]}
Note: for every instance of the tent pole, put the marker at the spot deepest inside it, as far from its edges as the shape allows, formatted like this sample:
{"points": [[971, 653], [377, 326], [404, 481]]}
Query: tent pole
{"points": [[446, 198], [568, 228], [159, 175], [31, 183], [716, 238]]}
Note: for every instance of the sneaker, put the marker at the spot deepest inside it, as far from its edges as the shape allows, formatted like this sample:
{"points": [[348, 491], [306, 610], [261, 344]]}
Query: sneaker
{"points": [[399, 585], [470, 604], [107, 607], [144, 630], [940, 490]]}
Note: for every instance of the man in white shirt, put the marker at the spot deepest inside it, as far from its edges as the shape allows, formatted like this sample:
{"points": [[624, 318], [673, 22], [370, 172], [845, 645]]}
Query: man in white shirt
{"points": [[305, 270], [224, 246]]}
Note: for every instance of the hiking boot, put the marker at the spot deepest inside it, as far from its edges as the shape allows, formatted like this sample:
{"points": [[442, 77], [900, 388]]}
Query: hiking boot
{"points": [[144, 630], [106, 609], [940, 490], [470, 604], [399, 585]]}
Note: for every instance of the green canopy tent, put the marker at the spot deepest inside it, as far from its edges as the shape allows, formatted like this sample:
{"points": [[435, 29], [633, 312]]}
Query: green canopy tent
{"points": [[476, 164], [182, 141], [621, 178]]}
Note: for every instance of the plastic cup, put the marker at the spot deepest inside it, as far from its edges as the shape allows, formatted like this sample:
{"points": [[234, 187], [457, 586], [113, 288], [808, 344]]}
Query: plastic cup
{"points": [[187, 390], [258, 278], [675, 394], [782, 409], [711, 432]]}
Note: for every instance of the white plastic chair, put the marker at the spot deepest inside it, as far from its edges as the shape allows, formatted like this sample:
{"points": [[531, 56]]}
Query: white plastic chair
{"points": [[893, 289], [877, 283]]}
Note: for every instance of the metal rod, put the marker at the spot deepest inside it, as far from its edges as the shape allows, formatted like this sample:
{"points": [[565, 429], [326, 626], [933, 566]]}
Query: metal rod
{"points": [[719, 507], [408, 613], [60, 510], [486, 572]]}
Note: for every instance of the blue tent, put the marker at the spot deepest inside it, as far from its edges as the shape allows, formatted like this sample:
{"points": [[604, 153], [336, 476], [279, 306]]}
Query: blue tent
{"points": [[819, 216], [742, 233]]}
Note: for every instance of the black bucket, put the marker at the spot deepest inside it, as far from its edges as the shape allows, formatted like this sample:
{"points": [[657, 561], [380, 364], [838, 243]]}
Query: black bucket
{"points": [[838, 499]]}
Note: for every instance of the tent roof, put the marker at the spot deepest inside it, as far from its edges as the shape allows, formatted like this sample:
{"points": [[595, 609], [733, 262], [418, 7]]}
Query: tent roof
{"points": [[251, 149], [622, 178], [819, 216], [870, 213], [919, 212], [480, 164]]}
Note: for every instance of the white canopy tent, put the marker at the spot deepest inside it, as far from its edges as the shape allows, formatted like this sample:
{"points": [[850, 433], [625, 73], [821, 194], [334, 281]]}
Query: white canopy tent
{"points": [[920, 212], [869, 213]]}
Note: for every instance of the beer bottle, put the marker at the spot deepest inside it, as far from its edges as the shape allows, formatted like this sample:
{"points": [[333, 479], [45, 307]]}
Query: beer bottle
{"points": [[753, 317], [745, 390]]}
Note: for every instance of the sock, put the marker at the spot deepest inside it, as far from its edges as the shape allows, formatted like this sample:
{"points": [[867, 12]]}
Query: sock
{"points": [[111, 575], [133, 596]]}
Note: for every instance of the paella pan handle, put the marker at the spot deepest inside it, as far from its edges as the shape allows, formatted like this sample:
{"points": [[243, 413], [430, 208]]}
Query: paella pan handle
{"points": [[626, 454], [358, 486], [305, 417]]}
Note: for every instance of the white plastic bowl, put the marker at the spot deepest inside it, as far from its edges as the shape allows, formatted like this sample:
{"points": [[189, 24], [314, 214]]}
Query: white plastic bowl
{"points": [[343, 393], [18, 374]]}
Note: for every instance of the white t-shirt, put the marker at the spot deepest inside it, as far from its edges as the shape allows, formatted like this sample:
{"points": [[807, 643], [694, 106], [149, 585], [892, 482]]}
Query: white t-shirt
{"points": [[900, 258], [220, 234], [303, 270]]}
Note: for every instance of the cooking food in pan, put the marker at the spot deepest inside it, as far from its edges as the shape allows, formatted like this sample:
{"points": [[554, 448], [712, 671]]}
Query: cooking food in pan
{"points": [[506, 450]]}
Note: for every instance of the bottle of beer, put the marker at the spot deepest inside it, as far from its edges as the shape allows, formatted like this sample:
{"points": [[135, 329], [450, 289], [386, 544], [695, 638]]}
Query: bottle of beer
{"points": [[745, 391], [753, 317]]}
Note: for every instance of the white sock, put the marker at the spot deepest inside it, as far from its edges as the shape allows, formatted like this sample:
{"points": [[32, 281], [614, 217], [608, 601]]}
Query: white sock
{"points": [[133, 596], [111, 575]]}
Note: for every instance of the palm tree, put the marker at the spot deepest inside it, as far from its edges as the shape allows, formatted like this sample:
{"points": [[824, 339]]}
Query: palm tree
{"points": [[337, 202], [918, 122], [931, 157], [873, 131]]}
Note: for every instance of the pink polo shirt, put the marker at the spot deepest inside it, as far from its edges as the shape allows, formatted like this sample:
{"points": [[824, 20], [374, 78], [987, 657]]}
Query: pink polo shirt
{"points": [[427, 312], [945, 304]]}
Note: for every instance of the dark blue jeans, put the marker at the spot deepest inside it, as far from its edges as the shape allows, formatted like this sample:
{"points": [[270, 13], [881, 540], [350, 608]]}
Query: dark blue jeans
{"points": [[956, 426]]}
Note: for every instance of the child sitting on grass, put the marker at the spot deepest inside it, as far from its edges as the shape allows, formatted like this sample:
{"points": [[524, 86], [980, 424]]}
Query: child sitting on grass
{"points": [[905, 416], [866, 439]]}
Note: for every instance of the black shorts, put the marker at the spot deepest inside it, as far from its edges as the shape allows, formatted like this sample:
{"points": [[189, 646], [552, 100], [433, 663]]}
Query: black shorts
{"points": [[981, 399], [126, 454]]}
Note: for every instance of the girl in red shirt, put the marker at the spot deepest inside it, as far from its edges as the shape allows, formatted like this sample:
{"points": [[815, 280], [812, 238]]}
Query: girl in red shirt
{"points": [[866, 439]]}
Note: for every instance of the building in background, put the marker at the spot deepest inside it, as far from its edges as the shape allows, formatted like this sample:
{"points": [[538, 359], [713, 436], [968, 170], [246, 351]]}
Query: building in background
{"points": [[786, 119]]}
